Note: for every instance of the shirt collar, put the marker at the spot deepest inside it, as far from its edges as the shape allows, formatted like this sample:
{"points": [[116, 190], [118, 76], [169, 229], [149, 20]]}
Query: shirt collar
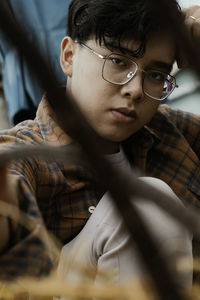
{"points": [[145, 137], [153, 133], [50, 130]]}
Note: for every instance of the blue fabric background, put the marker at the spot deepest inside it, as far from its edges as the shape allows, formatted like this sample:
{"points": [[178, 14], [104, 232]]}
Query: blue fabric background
{"points": [[45, 23]]}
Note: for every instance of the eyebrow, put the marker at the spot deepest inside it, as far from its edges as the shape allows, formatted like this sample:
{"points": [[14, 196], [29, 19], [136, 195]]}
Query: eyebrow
{"points": [[162, 65], [166, 67], [123, 50]]}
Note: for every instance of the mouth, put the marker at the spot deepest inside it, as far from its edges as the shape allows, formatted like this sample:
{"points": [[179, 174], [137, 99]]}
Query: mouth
{"points": [[124, 114]]}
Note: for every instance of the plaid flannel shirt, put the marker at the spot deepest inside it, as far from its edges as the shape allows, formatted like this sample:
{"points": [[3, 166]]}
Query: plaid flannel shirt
{"points": [[59, 195]]}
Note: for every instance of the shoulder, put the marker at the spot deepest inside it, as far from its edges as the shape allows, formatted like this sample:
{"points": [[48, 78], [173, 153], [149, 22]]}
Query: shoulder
{"points": [[27, 132], [175, 124], [175, 119], [177, 116]]}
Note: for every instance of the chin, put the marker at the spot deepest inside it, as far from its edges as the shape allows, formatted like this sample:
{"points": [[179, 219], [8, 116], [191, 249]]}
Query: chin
{"points": [[116, 135], [117, 138]]}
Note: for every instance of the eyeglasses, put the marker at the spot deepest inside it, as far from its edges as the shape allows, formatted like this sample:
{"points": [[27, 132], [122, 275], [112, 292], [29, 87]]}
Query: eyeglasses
{"points": [[119, 69]]}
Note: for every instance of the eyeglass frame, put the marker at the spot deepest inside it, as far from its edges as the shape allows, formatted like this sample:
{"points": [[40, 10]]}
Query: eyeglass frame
{"points": [[134, 73]]}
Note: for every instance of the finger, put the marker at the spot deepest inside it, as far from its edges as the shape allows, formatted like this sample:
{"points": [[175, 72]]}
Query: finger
{"points": [[192, 11], [192, 19], [196, 29]]}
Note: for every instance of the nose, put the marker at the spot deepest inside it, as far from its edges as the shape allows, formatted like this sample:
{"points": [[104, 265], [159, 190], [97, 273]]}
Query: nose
{"points": [[133, 89]]}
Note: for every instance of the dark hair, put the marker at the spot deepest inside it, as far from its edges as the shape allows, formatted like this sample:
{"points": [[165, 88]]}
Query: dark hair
{"points": [[110, 21]]}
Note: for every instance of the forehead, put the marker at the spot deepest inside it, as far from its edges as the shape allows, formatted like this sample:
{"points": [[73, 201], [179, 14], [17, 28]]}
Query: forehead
{"points": [[160, 47]]}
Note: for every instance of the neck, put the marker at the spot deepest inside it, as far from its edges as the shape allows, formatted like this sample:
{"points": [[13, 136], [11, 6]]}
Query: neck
{"points": [[108, 147]]}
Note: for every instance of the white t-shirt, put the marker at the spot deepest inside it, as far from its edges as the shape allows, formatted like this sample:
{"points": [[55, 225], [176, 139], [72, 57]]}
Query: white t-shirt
{"points": [[118, 160]]}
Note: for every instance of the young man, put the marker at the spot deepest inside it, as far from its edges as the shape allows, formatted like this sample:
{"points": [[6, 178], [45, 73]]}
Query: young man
{"points": [[118, 59]]}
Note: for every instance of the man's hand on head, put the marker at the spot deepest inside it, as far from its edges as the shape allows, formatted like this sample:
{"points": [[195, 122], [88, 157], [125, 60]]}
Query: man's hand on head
{"points": [[192, 22], [9, 196]]}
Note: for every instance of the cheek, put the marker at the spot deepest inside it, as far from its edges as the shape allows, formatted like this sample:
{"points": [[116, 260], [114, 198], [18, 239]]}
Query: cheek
{"points": [[91, 90], [89, 70], [87, 82]]}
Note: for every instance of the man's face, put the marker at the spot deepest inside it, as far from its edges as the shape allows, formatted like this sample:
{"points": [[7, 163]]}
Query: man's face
{"points": [[115, 112]]}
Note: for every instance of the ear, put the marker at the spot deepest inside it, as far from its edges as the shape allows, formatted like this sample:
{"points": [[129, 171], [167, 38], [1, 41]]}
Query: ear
{"points": [[66, 58]]}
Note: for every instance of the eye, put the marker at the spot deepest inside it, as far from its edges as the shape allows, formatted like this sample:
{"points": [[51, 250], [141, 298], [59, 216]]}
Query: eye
{"points": [[118, 61], [158, 76]]}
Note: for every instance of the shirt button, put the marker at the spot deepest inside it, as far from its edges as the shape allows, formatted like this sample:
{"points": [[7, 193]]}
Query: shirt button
{"points": [[91, 209]]}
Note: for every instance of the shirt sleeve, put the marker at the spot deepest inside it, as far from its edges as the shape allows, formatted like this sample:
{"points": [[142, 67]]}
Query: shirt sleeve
{"points": [[29, 252]]}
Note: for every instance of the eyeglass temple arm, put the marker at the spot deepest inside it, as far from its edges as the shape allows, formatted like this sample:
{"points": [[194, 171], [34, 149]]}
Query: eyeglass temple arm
{"points": [[87, 47]]}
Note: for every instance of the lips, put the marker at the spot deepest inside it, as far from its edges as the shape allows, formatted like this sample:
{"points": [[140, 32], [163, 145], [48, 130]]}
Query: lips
{"points": [[124, 114]]}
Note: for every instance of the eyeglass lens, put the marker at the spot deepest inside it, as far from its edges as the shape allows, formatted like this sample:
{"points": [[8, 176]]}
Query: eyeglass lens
{"points": [[119, 69]]}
